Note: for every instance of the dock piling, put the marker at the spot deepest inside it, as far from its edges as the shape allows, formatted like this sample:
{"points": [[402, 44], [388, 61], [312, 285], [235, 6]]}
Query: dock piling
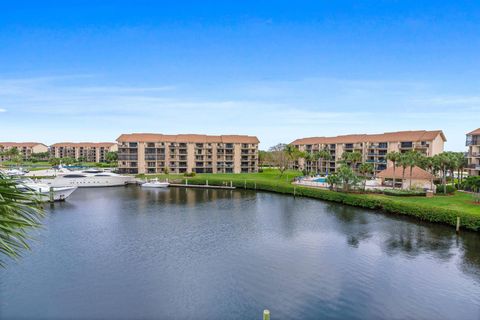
{"points": [[266, 314], [50, 193]]}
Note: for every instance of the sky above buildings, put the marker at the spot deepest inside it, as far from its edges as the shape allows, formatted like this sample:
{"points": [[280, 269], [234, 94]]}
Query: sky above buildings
{"points": [[84, 71]]}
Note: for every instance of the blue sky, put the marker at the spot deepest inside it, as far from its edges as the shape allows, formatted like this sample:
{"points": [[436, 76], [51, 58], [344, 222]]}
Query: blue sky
{"points": [[83, 71]]}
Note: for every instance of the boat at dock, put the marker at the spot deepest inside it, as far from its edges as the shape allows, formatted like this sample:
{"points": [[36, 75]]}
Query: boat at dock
{"points": [[155, 183], [46, 192], [89, 178]]}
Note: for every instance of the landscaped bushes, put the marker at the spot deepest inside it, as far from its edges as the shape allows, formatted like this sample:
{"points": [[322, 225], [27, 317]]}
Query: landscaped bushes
{"points": [[448, 216], [441, 190], [404, 193]]}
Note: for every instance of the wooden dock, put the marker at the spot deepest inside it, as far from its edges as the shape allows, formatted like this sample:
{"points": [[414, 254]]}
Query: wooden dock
{"points": [[200, 186]]}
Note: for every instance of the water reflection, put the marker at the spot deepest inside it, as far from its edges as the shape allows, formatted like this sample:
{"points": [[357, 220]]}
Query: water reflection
{"points": [[188, 253]]}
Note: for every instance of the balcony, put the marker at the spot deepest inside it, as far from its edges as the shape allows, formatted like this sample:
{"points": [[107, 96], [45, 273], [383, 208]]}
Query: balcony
{"points": [[127, 157], [421, 145], [406, 145]]}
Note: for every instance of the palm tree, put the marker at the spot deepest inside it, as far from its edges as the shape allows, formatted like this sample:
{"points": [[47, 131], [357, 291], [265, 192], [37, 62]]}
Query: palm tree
{"points": [[352, 157], [394, 157], [292, 152], [443, 162], [412, 158], [462, 164], [322, 156], [19, 211], [428, 164], [404, 162], [365, 169]]}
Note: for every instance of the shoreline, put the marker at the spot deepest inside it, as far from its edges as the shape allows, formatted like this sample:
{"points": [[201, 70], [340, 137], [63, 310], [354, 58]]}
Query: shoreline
{"points": [[367, 201]]}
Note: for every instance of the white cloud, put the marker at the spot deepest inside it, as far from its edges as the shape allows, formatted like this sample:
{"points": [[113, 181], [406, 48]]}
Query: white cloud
{"points": [[276, 111], [3, 110]]}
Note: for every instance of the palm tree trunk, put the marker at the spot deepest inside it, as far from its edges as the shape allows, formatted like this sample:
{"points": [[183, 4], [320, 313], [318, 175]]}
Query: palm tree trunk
{"points": [[403, 176], [394, 180], [411, 172]]}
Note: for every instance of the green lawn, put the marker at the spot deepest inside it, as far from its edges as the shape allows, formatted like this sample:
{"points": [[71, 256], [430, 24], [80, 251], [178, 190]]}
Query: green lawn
{"points": [[443, 209], [459, 201]]}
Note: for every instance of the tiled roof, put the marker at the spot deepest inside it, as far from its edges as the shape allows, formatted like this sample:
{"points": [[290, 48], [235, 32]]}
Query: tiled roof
{"points": [[21, 144], [84, 144], [195, 138], [420, 135], [417, 173], [474, 132]]}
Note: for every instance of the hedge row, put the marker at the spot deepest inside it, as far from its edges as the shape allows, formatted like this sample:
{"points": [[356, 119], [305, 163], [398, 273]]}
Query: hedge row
{"points": [[420, 211]]}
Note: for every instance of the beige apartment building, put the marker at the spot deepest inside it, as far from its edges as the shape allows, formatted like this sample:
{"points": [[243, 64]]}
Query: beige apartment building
{"points": [[90, 151], [186, 153], [473, 156], [373, 147], [25, 148]]}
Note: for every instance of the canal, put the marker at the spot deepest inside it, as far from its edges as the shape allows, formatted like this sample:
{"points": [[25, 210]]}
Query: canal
{"points": [[131, 253]]}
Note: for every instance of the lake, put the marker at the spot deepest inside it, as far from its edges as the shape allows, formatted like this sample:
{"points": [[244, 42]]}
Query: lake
{"points": [[131, 253]]}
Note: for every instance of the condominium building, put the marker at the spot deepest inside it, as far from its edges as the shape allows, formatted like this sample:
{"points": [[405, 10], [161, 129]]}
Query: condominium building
{"points": [[88, 151], [473, 156], [185, 153], [26, 149], [373, 147]]}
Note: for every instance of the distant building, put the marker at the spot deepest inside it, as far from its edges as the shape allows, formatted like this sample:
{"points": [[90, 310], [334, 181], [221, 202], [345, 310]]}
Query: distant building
{"points": [[182, 153], [88, 151], [373, 147], [473, 155], [26, 149]]}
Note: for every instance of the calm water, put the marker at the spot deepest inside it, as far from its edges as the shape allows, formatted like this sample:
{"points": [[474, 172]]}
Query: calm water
{"points": [[127, 253]]}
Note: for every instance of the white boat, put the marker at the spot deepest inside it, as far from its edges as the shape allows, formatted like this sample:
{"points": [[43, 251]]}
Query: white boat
{"points": [[14, 172], [154, 183], [59, 193], [89, 178]]}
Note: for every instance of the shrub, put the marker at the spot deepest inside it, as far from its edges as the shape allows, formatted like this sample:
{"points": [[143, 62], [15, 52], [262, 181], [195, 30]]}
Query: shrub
{"points": [[450, 189], [189, 174], [404, 193]]}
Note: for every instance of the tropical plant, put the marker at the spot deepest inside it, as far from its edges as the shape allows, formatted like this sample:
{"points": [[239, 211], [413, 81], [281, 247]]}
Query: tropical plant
{"points": [[333, 180], [394, 157], [428, 164], [412, 158], [347, 177], [111, 156], [54, 161], [404, 162], [365, 169], [352, 158], [442, 160], [19, 211], [321, 156]]}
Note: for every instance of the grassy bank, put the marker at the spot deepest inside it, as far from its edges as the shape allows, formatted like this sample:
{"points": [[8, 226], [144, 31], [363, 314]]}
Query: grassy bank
{"points": [[442, 209]]}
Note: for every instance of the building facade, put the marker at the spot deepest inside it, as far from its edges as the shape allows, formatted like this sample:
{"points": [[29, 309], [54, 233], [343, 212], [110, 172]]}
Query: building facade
{"points": [[186, 153], [373, 147], [26, 149], [473, 155], [88, 151]]}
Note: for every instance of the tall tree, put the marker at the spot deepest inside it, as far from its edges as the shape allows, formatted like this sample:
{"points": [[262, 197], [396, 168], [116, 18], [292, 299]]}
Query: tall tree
{"points": [[280, 157], [365, 169], [412, 158], [404, 163], [394, 157], [323, 155]]}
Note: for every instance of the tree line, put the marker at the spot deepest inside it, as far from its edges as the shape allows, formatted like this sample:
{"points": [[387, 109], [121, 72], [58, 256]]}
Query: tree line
{"points": [[353, 170]]}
